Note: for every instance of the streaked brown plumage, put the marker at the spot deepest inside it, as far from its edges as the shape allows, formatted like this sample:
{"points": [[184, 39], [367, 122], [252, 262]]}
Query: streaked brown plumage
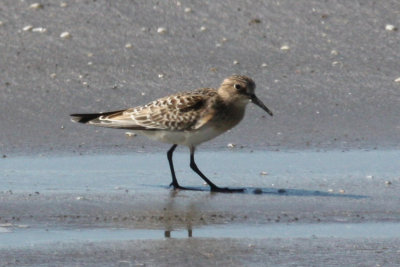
{"points": [[187, 118], [178, 112]]}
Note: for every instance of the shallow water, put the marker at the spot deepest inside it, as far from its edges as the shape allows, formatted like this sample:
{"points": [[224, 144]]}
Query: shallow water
{"points": [[150, 172], [61, 203], [18, 238]]}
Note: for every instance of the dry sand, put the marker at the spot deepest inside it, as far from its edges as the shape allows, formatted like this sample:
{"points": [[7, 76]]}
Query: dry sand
{"points": [[327, 70]]}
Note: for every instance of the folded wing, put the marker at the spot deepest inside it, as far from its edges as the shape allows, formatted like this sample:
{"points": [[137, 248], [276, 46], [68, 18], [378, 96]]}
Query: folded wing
{"points": [[177, 112]]}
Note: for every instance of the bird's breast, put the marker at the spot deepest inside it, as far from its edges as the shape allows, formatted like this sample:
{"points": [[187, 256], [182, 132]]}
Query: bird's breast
{"points": [[228, 118]]}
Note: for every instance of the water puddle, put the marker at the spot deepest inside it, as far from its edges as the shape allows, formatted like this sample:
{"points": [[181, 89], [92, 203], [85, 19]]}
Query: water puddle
{"points": [[259, 172], [26, 237]]}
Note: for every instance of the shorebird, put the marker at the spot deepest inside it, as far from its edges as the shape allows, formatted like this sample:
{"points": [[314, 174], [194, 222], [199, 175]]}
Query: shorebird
{"points": [[186, 118]]}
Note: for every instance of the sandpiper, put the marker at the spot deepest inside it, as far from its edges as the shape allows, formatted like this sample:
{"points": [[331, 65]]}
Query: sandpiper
{"points": [[187, 118]]}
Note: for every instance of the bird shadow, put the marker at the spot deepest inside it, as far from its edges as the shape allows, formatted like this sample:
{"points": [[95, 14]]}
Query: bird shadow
{"points": [[269, 191]]}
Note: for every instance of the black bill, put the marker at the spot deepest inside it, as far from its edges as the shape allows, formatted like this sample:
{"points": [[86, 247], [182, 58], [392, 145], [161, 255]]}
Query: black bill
{"points": [[258, 102]]}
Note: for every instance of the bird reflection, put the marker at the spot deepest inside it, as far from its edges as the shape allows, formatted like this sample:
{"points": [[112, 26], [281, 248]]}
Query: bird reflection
{"points": [[177, 218], [167, 233]]}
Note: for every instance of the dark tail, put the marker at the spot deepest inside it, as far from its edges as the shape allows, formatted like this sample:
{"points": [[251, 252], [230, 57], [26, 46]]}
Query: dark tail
{"points": [[85, 118]]}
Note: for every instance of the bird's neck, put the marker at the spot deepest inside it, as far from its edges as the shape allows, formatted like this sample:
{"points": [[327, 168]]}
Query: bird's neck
{"points": [[231, 112]]}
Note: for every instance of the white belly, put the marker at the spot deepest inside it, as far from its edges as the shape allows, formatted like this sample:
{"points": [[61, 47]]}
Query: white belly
{"points": [[187, 138]]}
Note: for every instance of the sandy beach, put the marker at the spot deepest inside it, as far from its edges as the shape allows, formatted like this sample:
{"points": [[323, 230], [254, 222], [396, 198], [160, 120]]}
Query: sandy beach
{"points": [[321, 177]]}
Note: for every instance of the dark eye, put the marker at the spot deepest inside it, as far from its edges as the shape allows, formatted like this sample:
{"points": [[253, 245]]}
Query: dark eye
{"points": [[237, 86]]}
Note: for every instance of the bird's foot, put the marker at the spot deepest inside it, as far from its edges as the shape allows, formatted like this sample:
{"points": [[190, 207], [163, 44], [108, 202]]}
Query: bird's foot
{"points": [[226, 189], [176, 186]]}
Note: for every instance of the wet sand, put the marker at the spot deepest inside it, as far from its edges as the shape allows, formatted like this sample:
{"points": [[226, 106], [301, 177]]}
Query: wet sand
{"points": [[213, 252], [339, 207]]}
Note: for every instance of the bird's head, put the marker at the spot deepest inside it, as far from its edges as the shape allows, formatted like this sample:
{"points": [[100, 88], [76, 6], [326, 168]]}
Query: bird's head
{"points": [[240, 89]]}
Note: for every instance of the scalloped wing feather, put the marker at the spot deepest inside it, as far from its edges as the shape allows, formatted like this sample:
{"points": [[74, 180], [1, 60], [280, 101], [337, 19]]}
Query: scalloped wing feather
{"points": [[183, 111]]}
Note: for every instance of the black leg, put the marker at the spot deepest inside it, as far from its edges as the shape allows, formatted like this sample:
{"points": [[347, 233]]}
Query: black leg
{"points": [[171, 166], [196, 169], [211, 184]]}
